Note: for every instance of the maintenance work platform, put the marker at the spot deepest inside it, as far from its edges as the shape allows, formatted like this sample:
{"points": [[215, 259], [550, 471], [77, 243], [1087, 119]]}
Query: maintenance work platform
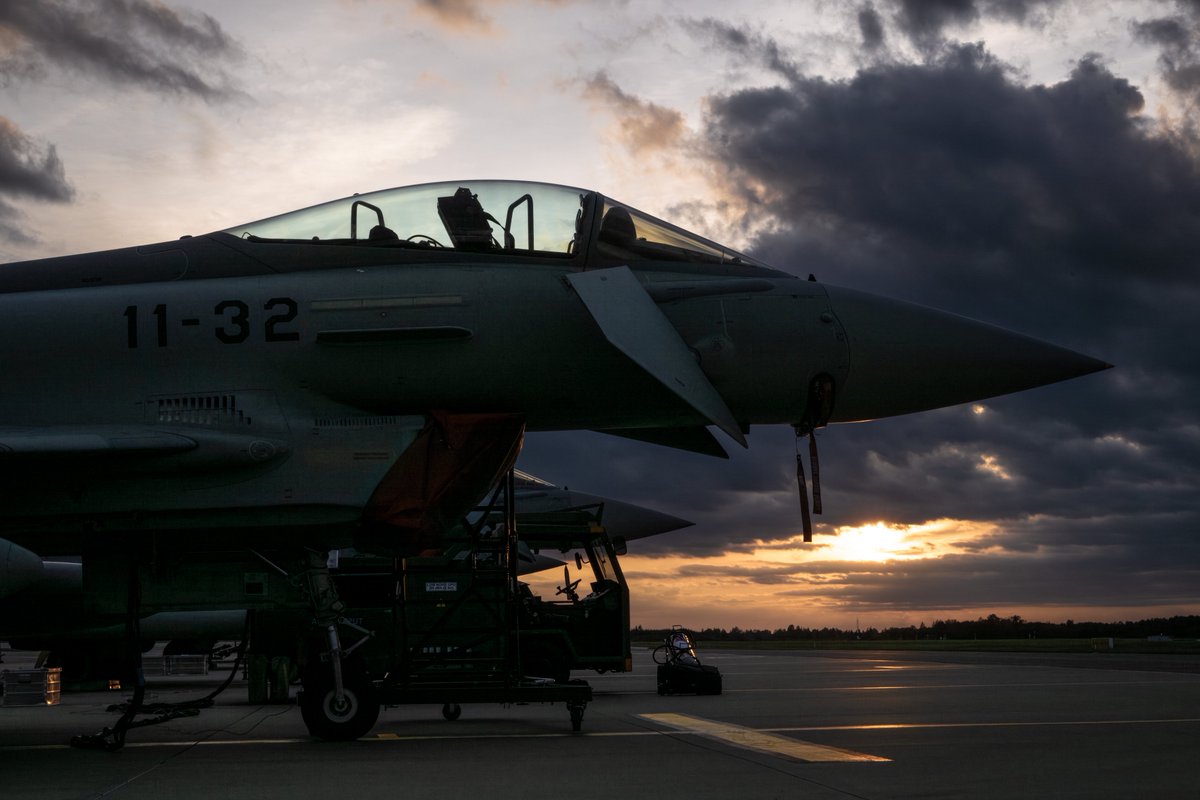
{"points": [[459, 625], [452, 625]]}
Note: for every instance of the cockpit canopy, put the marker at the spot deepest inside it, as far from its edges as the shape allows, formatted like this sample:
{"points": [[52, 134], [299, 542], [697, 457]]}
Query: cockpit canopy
{"points": [[504, 218]]}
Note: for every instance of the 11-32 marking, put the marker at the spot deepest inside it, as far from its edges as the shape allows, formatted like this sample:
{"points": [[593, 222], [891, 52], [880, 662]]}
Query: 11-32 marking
{"points": [[234, 316]]}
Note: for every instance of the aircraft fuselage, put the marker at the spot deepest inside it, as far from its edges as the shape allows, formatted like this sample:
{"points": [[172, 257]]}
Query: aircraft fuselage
{"points": [[302, 388]]}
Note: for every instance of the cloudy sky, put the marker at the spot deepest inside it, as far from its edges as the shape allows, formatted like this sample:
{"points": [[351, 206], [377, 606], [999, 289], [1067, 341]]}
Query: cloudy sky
{"points": [[1032, 163]]}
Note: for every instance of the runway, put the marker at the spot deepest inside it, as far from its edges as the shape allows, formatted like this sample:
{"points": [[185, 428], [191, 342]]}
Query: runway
{"points": [[789, 724]]}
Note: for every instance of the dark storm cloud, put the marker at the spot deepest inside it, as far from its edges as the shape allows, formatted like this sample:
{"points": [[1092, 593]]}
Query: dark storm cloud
{"points": [[925, 19], [1178, 37], [745, 43], [1058, 210], [29, 170], [954, 158], [870, 26], [926, 22], [1171, 32], [1056, 572], [1071, 563], [148, 44], [1054, 210], [1034, 455], [123, 42], [998, 581]]}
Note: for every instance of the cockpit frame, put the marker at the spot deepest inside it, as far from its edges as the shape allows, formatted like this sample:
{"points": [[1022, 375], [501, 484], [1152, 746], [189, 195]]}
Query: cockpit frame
{"points": [[451, 221]]}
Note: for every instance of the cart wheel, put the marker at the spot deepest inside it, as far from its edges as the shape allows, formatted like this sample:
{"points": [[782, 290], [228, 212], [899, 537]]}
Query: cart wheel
{"points": [[339, 722], [451, 711], [576, 715]]}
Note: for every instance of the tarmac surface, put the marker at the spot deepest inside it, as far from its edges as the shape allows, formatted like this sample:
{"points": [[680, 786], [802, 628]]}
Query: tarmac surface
{"points": [[800, 724]]}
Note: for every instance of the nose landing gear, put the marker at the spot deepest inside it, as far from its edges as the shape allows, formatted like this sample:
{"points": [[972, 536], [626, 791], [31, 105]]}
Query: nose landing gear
{"points": [[342, 713], [339, 701]]}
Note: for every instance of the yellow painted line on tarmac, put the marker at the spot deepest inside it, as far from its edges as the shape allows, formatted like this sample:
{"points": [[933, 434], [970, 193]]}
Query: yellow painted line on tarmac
{"points": [[750, 739]]}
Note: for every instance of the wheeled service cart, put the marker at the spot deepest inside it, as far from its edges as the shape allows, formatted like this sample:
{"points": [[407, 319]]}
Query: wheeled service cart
{"points": [[679, 668]]}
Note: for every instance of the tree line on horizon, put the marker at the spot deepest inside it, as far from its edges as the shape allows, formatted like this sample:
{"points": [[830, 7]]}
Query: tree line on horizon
{"points": [[992, 626]]}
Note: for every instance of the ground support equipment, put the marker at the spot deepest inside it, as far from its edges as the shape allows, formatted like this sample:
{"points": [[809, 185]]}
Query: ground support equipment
{"points": [[680, 670]]}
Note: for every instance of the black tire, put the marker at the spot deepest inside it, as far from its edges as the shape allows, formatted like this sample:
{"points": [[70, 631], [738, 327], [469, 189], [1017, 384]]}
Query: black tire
{"points": [[324, 718], [451, 711]]}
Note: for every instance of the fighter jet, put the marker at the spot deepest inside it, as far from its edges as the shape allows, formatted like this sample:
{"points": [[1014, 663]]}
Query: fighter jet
{"points": [[204, 419]]}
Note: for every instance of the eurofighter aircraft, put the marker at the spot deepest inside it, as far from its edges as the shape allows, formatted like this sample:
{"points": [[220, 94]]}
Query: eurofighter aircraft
{"points": [[204, 419]]}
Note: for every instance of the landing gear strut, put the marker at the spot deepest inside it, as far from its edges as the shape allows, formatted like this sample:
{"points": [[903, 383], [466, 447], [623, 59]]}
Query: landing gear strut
{"points": [[112, 739], [339, 701]]}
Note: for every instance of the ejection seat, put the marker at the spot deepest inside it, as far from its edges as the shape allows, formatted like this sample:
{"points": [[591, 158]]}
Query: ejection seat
{"points": [[618, 235]]}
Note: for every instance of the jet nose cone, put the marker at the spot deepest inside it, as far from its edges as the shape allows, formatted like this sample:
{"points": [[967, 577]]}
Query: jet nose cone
{"points": [[636, 522], [906, 358], [631, 521]]}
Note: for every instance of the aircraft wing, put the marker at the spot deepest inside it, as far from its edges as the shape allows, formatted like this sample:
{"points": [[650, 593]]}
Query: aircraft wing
{"points": [[73, 444], [70, 442], [633, 323], [695, 440], [531, 562]]}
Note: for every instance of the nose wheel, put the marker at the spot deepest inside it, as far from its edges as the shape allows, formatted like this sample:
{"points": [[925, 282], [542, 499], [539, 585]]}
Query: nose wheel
{"points": [[339, 701], [339, 716]]}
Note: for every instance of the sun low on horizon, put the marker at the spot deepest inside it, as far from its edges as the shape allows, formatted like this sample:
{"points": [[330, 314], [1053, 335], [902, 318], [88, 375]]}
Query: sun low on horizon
{"points": [[775, 583]]}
